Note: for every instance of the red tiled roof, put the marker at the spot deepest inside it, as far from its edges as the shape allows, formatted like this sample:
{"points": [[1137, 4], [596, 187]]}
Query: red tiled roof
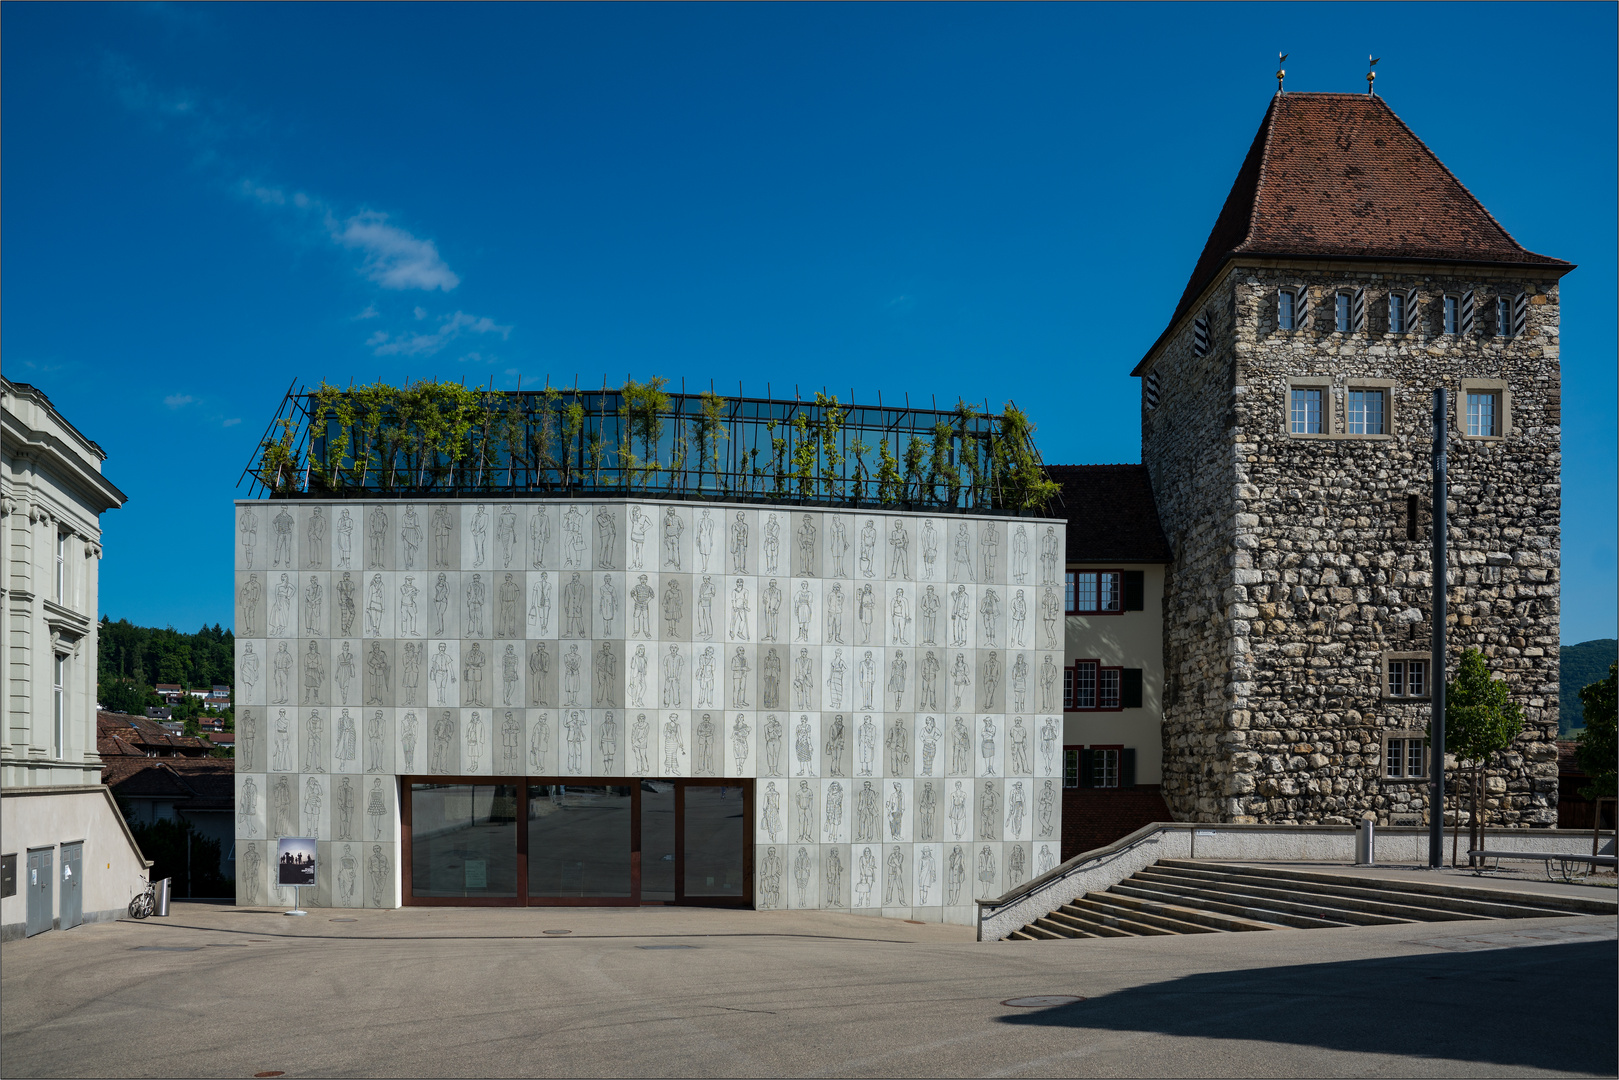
{"points": [[1341, 176], [193, 783], [1112, 516], [142, 734]]}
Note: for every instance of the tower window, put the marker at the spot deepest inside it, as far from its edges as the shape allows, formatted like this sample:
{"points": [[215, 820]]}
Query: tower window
{"points": [[1304, 411], [1366, 412], [1405, 678], [1342, 320], [1413, 508], [1404, 758], [1453, 307], [1286, 309], [1396, 313], [1483, 413], [1503, 317]]}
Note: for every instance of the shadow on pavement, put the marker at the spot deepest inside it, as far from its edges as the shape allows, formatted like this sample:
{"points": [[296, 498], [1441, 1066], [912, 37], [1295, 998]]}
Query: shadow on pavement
{"points": [[1547, 1007]]}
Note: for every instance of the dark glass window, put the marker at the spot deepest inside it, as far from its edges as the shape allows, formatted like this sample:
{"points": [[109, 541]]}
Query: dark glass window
{"points": [[716, 829], [657, 841], [578, 840], [463, 840]]}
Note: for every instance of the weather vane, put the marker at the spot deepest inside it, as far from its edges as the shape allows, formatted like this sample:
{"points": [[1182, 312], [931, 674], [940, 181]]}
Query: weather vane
{"points": [[1371, 76], [1281, 73]]}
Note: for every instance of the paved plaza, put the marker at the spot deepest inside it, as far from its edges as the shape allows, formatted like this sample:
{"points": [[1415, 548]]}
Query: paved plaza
{"points": [[218, 990]]}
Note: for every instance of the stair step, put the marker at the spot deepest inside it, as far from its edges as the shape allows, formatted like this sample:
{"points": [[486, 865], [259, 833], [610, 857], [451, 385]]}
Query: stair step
{"points": [[1257, 910], [1056, 924], [1541, 905], [1093, 927], [1277, 900], [1019, 935], [1141, 913], [1210, 921], [1332, 899], [1119, 920]]}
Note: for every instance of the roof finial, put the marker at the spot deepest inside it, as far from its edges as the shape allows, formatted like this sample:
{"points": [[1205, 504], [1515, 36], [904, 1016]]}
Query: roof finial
{"points": [[1281, 58], [1371, 76]]}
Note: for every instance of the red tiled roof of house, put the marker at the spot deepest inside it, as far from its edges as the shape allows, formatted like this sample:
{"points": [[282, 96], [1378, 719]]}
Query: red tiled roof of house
{"points": [[1112, 516], [142, 734], [192, 783], [1341, 176]]}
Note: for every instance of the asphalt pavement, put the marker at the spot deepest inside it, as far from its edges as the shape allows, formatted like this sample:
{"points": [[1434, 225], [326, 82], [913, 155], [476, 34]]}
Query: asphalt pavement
{"points": [[221, 991]]}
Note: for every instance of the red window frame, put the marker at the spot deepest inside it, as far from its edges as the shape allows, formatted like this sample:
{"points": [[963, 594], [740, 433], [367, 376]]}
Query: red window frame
{"points": [[1071, 592], [1104, 682]]}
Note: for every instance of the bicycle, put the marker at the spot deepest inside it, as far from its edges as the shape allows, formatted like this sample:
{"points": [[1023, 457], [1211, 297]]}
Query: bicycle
{"points": [[144, 902]]}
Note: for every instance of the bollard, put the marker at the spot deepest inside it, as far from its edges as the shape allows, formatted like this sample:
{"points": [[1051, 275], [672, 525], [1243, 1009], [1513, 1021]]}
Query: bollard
{"points": [[160, 898], [1365, 843]]}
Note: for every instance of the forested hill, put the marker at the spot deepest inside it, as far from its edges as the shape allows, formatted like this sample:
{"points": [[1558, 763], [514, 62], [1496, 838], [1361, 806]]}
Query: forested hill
{"points": [[1582, 665], [147, 656]]}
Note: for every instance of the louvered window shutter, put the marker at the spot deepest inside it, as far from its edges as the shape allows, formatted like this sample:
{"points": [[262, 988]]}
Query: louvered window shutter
{"points": [[1357, 311], [1149, 390], [1135, 590], [1200, 336], [1413, 313], [1087, 764], [1130, 688], [1127, 767], [1520, 314], [1302, 310], [1466, 325]]}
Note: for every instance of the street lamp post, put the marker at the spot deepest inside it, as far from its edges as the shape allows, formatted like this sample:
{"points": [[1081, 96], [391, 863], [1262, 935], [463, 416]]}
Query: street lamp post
{"points": [[1436, 665]]}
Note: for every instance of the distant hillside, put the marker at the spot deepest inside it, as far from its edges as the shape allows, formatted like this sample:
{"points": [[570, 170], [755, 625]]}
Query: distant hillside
{"points": [[1583, 664]]}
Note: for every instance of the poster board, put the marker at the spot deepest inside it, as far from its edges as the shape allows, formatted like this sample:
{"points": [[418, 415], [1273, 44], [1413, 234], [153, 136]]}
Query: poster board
{"points": [[295, 861]]}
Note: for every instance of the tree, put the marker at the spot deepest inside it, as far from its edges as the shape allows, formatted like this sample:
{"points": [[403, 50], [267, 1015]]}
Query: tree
{"points": [[126, 696], [1481, 720], [1596, 748]]}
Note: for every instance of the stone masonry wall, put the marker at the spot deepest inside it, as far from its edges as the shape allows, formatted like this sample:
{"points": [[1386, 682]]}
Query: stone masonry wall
{"points": [[1282, 713]]}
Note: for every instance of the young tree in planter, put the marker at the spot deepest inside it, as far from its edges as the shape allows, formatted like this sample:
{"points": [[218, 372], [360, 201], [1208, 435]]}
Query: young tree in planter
{"points": [[1481, 720], [1597, 746]]}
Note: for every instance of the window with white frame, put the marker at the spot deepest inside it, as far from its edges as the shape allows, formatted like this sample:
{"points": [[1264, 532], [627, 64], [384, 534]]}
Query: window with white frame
{"points": [[1304, 410], [1366, 411], [1396, 313], [61, 567], [1342, 313], [1406, 678], [1503, 317], [1453, 314], [1483, 413], [1104, 768], [1405, 757], [1093, 592], [1286, 310], [58, 703]]}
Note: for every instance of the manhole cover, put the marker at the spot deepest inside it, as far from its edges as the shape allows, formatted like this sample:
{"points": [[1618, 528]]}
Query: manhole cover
{"points": [[1042, 1001], [666, 946], [167, 948], [345, 920], [556, 933]]}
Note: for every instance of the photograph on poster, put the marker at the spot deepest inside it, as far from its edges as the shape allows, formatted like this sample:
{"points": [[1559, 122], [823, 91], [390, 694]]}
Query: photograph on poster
{"points": [[295, 860]]}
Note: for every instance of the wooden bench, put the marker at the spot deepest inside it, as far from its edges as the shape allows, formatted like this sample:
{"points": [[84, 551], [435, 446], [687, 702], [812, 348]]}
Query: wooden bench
{"points": [[1565, 862]]}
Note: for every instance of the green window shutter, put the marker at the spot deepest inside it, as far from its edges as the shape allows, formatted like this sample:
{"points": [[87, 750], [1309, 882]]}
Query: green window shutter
{"points": [[1135, 590], [1130, 688], [1127, 768]]}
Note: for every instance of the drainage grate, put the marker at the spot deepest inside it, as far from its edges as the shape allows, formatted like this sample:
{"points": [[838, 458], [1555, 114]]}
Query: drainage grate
{"points": [[1042, 1001], [666, 946]]}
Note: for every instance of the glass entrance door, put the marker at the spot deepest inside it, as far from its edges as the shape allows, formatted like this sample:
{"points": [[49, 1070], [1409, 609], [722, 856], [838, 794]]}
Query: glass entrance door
{"points": [[580, 841]]}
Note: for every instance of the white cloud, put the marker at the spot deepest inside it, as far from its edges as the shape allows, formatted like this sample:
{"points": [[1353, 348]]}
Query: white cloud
{"points": [[370, 312], [449, 329], [232, 422], [420, 313], [176, 401], [394, 258]]}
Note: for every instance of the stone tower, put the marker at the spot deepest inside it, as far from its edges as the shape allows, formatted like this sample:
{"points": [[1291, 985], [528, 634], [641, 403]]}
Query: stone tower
{"points": [[1286, 426]]}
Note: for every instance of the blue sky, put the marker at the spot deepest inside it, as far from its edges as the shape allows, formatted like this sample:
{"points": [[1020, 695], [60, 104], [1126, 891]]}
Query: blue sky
{"points": [[205, 203]]}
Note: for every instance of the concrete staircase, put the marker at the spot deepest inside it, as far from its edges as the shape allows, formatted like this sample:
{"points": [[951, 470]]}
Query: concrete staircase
{"points": [[1183, 896]]}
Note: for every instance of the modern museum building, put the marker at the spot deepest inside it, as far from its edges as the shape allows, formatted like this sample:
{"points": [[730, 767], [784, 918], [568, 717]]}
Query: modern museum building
{"points": [[659, 649]]}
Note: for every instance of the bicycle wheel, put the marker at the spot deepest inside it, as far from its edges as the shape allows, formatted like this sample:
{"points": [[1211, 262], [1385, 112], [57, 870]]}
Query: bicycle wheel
{"points": [[141, 906]]}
